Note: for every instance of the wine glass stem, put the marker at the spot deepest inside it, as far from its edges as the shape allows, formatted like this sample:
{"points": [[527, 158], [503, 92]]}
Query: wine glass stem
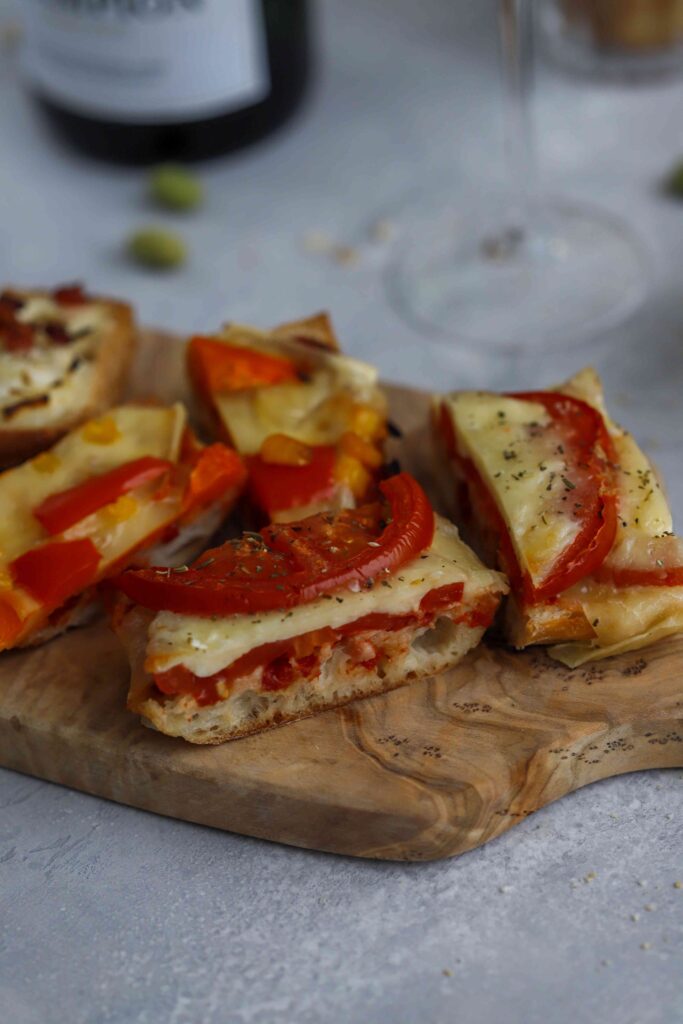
{"points": [[517, 38]]}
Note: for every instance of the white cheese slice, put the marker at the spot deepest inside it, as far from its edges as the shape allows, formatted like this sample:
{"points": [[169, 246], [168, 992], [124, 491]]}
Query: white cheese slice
{"points": [[205, 646], [65, 372], [518, 452], [315, 411], [130, 432]]}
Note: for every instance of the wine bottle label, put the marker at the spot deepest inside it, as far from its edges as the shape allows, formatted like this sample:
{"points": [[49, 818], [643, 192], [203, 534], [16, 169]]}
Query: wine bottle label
{"points": [[147, 60]]}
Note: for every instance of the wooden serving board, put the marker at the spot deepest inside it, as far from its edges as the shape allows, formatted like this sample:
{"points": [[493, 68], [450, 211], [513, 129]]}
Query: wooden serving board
{"points": [[428, 771]]}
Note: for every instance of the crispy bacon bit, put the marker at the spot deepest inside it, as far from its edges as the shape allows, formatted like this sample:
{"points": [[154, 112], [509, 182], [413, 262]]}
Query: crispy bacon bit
{"points": [[15, 336], [10, 299], [70, 295], [25, 403], [56, 332]]}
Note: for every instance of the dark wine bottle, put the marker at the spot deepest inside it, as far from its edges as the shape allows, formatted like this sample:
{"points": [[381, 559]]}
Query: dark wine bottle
{"points": [[143, 81]]}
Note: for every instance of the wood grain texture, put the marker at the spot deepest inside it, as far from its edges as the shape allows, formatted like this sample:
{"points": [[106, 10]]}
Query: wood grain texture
{"points": [[428, 771]]}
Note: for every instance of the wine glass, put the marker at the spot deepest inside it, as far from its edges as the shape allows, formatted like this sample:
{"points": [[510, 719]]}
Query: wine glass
{"points": [[526, 272]]}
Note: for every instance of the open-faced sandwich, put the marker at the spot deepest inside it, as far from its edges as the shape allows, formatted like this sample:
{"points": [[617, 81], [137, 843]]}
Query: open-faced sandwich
{"points": [[310, 422], [64, 358], [302, 617], [549, 489], [129, 487]]}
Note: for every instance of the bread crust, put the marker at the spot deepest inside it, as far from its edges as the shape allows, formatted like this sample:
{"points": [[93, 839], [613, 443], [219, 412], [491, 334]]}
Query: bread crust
{"points": [[545, 623], [113, 359]]}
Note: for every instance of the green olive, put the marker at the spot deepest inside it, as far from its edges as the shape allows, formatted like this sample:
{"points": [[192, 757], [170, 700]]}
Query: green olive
{"points": [[175, 187], [158, 248], [675, 181]]}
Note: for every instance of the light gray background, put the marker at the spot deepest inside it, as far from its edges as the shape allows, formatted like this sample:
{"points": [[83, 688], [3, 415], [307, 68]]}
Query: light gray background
{"points": [[111, 915]]}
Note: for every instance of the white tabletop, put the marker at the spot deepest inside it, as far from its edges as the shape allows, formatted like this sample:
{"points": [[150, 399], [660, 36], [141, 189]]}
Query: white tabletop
{"points": [[110, 915]]}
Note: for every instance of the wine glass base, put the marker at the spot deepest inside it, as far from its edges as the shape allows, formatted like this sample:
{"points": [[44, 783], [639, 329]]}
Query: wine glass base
{"points": [[459, 275]]}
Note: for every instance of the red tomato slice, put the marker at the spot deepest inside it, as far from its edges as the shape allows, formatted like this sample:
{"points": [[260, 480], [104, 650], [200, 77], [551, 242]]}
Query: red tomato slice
{"points": [[286, 660], [53, 572], [60, 511], [273, 488], [70, 295], [291, 564], [671, 576], [218, 366], [588, 450], [442, 597]]}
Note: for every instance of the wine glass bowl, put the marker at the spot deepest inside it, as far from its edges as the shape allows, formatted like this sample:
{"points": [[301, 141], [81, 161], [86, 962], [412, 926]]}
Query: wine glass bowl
{"points": [[461, 274], [524, 272]]}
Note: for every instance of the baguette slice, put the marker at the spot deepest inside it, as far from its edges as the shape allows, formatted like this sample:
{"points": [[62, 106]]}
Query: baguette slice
{"points": [[330, 651], [503, 454], [64, 358], [119, 490]]}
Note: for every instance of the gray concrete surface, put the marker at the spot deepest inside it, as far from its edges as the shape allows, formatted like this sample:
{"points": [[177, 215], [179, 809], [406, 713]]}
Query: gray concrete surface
{"points": [[109, 915]]}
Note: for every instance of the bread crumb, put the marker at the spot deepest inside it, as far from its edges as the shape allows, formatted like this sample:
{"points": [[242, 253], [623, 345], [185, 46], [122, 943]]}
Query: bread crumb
{"points": [[10, 35], [606, 963], [446, 973], [650, 906], [345, 255], [635, 917], [678, 884], [646, 945], [641, 882], [382, 231], [317, 241], [590, 877]]}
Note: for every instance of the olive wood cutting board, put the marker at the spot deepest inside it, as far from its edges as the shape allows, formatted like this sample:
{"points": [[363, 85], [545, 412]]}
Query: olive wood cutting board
{"points": [[427, 771]]}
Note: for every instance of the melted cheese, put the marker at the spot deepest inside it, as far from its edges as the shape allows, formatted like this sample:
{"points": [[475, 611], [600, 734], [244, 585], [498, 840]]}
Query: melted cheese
{"points": [[206, 646], [316, 411], [623, 619], [135, 431], [65, 372], [643, 509], [518, 453]]}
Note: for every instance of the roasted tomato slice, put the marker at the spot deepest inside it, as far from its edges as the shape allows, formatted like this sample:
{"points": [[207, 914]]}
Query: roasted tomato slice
{"points": [[53, 572], [219, 366], [291, 564], [60, 511], [589, 454], [274, 487]]}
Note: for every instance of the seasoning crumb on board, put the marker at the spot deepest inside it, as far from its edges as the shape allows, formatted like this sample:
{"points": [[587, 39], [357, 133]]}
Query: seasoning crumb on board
{"points": [[646, 945], [650, 906], [678, 884], [446, 973], [317, 241], [382, 231], [345, 255], [635, 917], [590, 877]]}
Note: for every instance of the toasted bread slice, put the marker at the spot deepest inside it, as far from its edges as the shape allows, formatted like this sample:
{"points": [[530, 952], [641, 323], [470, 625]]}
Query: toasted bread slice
{"points": [[359, 643], [310, 422], [64, 358], [518, 480], [122, 489]]}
